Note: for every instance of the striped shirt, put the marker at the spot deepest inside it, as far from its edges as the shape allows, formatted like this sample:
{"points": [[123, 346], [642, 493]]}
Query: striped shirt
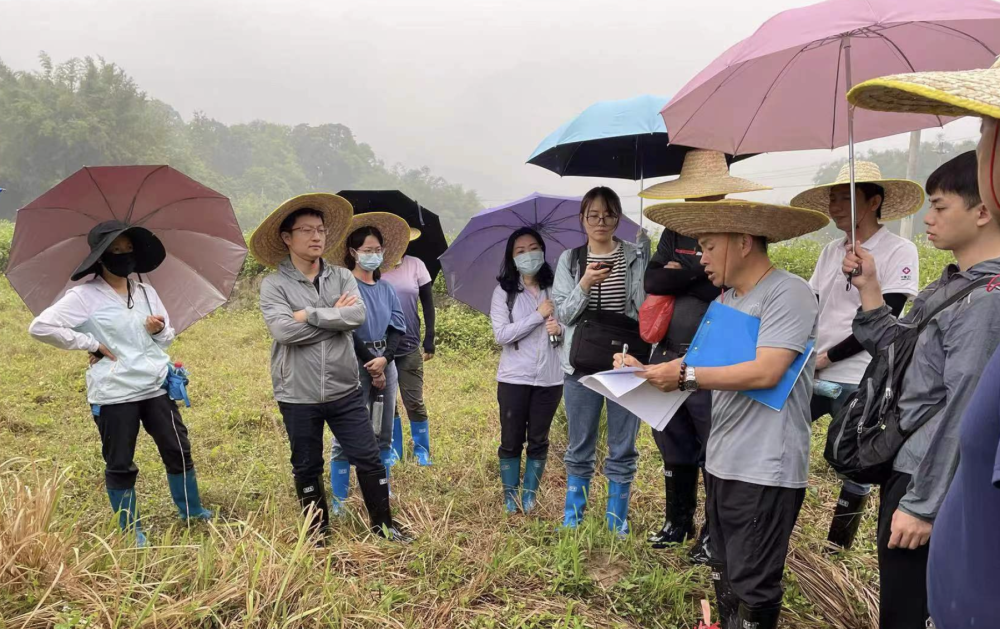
{"points": [[612, 292]]}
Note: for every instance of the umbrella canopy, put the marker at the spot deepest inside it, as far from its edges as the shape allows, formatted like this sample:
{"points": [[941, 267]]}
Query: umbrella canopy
{"points": [[471, 264], [204, 245], [784, 87], [618, 139], [432, 242]]}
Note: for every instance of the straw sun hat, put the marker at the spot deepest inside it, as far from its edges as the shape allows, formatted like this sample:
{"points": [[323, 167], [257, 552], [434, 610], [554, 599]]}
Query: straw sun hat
{"points": [[773, 222], [902, 196], [962, 93], [266, 244], [396, 236], [703, 174]]}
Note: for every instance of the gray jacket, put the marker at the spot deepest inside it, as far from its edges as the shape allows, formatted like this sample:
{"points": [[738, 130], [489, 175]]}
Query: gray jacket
{"points": [[311, 362], [571, 300], [948, 360]]}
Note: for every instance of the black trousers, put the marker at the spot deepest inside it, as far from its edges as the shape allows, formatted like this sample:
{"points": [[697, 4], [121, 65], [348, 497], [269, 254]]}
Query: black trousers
{"points": [[750, 526], [118, 425], [902, 573], [348, 419], [526, 414], [684, 439]]}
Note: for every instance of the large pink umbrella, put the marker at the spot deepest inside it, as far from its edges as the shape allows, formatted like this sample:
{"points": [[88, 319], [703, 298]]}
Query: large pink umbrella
{"points": [[197, 226], [784, 88]]}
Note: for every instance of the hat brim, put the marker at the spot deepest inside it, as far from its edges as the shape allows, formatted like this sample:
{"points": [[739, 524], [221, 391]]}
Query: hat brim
{"points": [[953, 94], [773, 222], [414, 233], [146, 247], [902, 198], [688, 188], [395, 238], [266, 244]]}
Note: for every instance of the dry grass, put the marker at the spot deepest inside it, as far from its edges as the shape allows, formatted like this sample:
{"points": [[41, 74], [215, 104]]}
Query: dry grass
{"points": [[63, 564]]}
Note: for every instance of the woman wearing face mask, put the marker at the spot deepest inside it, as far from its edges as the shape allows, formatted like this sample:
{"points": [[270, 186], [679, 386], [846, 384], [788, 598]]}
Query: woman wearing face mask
{"points": [[376, 241], [602, 277], [122, 323], [529, 377]]}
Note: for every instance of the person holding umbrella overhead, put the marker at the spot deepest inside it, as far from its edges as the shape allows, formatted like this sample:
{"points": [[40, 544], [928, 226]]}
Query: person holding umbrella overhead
{"points": [[600, 280], [311, 309], [529, 378], [375, 241], [758, 458], [126, 329], [676, 270], [840, 357], [964, 540]]}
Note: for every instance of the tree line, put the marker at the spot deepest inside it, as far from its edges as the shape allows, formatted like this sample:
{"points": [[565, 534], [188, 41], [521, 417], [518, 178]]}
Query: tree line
{"points": [[89, 112]]}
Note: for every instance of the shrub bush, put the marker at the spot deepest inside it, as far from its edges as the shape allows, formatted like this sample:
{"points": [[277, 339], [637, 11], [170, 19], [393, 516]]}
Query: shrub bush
{"points": [[6, 236]]}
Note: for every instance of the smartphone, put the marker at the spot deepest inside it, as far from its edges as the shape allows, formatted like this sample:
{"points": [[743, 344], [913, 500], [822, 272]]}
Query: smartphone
{"points": [[605, 265]]}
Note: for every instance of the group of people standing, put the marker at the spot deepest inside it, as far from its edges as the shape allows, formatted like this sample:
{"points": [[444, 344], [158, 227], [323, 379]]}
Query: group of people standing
{"points": [[346, 335], [755, 459]]}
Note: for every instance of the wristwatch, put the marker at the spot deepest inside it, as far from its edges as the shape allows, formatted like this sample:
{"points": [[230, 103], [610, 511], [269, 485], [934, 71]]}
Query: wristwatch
{"points": [[688, 379]]}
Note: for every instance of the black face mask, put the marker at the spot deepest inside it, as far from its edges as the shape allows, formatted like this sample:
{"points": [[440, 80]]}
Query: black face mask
{"points": [[120, 264]]}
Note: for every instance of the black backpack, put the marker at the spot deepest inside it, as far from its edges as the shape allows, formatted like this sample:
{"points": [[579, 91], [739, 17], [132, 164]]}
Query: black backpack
{"points": [[600, 334], [866, 435]]}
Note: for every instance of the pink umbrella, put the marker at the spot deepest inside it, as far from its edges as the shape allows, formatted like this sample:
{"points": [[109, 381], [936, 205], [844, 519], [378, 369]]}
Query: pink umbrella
{"points": [[197, 226], [784, 88]]}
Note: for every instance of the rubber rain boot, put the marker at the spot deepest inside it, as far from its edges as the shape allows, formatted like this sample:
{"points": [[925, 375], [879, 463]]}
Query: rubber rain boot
{"points": [[510, 478], [680, 491], [340, 485], [421, 442], [311, 495], [760, 618], [184, 491], [617, 510], [533, 470], [375, 491], [577, 491], [397, 440], [124, 503], [726, 601]]}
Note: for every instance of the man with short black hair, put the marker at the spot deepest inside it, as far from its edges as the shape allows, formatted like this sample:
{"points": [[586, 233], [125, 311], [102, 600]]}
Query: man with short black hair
{"points": [[840, 358], [311, 309], [948, 359]]}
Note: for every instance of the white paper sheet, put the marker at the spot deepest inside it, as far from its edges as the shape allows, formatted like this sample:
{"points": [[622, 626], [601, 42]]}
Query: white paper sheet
{"points": [[648, 403]]}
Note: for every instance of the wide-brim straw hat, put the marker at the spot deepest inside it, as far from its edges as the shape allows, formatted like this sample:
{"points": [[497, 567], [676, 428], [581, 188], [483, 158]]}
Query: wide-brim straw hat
{"points": [[902, 196], [703, 174], [735, 216], [395, 238], [414, 234], [960, 93], [266, 244]]}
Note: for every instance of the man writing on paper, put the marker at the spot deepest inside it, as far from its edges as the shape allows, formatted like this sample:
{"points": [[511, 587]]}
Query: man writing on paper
{"points": [[758, 458]]}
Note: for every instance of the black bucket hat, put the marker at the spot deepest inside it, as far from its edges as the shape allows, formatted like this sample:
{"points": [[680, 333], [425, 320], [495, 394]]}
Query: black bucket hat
{"points": [[147, 248]]}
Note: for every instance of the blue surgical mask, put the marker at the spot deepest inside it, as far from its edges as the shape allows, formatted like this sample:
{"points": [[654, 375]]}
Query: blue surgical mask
{"points": [[369, 261], [530, 262]]}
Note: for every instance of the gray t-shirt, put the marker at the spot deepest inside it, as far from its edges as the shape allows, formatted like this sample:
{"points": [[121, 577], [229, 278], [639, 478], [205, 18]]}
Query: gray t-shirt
{"points": [[750, 442]]}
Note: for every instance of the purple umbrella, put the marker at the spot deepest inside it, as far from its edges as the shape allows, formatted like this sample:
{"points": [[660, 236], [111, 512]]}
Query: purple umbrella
{"points": [[472, 262]]}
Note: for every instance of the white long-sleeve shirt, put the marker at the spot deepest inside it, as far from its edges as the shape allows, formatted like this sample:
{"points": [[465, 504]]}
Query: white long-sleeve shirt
{"points": [[94, 313]]}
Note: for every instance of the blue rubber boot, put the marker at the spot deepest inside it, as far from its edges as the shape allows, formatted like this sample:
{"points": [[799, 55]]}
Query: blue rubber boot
{"points": [[533, 469], [577, 491], [184, 491], [340, 483], [386, 457], [421, 442], [617, 512], [123, 502], [397, 440], [510, 477]]}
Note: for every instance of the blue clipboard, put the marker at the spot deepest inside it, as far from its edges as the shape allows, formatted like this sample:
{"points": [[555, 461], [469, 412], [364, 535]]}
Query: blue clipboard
{"points": [[726, 337]]}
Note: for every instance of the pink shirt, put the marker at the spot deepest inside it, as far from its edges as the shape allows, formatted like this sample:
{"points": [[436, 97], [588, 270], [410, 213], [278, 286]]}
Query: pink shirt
{"points": [[407, 278]]}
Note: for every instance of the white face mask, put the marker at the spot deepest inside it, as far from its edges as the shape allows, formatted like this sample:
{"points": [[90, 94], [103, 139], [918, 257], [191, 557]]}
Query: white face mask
{"points": [[530, 262], [370, 261]]}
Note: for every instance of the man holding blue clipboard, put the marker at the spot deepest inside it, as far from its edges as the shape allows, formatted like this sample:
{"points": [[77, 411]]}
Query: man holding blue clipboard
{"points": [[758, 457]]}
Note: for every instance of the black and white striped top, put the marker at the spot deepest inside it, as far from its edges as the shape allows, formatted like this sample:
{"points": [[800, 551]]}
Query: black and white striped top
{"points": [[612, 292]]}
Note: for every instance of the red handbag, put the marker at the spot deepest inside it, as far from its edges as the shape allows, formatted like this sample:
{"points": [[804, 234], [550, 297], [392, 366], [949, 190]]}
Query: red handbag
{"points": [[654, 317]]}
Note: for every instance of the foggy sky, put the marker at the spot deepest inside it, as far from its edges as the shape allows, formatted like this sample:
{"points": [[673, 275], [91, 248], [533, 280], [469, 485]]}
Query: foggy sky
{"points": [[466, 87]]}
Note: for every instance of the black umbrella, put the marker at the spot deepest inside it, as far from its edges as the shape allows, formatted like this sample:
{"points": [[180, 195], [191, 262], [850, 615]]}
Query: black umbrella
{"points": [[431, 243]]}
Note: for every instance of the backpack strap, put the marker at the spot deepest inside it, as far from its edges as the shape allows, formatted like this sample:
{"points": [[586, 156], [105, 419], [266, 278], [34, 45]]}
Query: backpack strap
{"points": [[960, 295], [511, 298]]}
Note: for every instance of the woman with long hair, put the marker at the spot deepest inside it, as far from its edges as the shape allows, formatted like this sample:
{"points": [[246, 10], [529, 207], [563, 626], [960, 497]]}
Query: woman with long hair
{"points": [[602, 279], [529, 378]]}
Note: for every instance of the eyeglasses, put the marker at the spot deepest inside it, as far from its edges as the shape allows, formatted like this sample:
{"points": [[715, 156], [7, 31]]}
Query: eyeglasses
{"points": [[601, 219], [376, 250], [309, 231]]}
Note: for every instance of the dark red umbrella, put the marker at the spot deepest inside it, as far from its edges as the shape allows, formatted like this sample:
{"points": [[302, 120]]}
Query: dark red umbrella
{"points": [[197, 226]]}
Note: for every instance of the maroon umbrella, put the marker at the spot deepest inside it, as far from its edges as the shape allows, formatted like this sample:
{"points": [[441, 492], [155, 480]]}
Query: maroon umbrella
{"points": [[197, 226]]}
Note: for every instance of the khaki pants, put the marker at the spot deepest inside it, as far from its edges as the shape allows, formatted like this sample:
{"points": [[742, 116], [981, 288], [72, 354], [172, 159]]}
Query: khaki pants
{"points": [[410, 370]]}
